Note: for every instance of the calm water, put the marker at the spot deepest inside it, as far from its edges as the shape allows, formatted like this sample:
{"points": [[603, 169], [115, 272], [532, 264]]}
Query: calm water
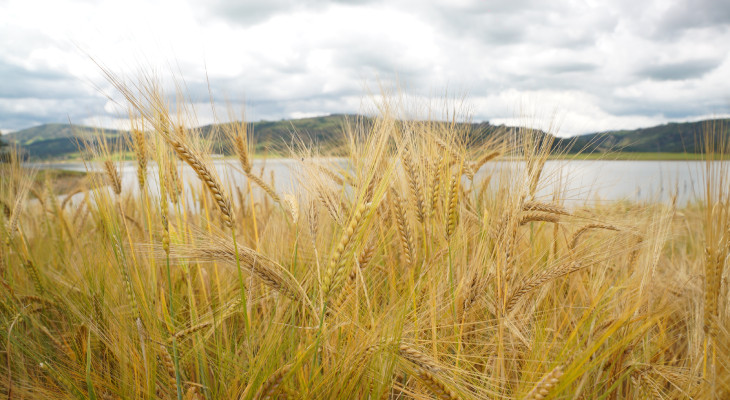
{"points": [[580, 181]]}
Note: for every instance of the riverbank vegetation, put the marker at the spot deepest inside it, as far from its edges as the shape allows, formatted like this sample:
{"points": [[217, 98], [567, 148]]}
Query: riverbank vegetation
{"points": [[415, 271]]}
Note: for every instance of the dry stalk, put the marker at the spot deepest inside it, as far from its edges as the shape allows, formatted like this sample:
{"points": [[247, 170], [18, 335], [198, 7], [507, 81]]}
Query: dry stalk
{"points": [[573, 242]]}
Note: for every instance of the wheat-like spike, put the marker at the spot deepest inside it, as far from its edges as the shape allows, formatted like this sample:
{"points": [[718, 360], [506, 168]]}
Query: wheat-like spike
{"points": [[39, 300], [540, 279], [189, 331], [545, 385], [292, 206], [573, 242], [172, 180], [331, 174], [260, 266], [140, 150], [414, 183], [313, 220], [367, 254], [193, 393], [435, 183], [169, 365], [404, 229], [265, 186], [207, 177], [436, 386], [241, 147], [113, 177], [476, 286], [325, 197], [544, 207], [271, 386], [532, 216], [423, 361], [33, 271], [363, 259], [53, 338], [453, 206], [335, 268], [15, 214]]}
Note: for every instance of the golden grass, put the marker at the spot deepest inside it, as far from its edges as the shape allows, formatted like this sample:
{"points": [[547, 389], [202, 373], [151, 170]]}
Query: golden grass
{"points": [[415, 271]]}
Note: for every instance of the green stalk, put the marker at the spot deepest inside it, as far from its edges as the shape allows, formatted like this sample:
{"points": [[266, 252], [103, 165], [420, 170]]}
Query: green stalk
{"points": [[174, 339], [246, 322]]}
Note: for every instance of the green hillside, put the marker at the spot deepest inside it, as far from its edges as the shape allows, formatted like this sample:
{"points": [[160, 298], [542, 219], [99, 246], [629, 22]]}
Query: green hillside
{"points": [[668, 138], [59, 141]]}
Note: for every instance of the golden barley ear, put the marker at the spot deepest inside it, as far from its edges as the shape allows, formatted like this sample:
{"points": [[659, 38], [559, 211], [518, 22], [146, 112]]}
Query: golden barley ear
{"points": [[404, 229], [436, 385], [333, 274], [270, 388], [546, 384], [453, 206]]}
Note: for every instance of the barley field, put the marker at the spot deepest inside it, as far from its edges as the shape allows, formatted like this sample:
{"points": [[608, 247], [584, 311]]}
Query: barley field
{"points": [[413, 272]]}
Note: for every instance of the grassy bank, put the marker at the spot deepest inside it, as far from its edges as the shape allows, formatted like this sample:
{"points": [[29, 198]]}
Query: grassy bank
{"points": [[635, 156], [399, 278]]}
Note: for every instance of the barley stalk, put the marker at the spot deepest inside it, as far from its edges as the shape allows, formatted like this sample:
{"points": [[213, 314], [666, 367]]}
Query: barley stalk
{"points": [[573, 242]]}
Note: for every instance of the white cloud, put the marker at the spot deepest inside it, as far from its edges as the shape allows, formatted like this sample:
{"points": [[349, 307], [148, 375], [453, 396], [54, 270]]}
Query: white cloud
{"points": [[595, 65]]}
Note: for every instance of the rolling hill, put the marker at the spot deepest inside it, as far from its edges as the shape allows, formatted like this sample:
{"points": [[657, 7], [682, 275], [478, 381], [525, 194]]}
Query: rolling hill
{"points": [[59, 141]]}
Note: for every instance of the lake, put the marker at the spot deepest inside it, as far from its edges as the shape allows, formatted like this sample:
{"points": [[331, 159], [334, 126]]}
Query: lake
{"points": [[582, 181]]}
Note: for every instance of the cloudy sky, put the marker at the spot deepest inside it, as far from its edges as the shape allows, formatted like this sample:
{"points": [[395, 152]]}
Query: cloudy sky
{"points": [[590, 65]]}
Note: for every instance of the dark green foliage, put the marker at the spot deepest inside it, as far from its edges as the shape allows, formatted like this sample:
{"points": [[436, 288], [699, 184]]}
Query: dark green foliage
{"points": [[59, 141], [669, 138]]}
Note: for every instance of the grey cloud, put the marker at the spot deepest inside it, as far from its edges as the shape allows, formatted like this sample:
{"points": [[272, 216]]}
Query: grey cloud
{"points": [[18, 82], [248, 13], [569, 67], [687, 14], [20, 113], [679, 70]]}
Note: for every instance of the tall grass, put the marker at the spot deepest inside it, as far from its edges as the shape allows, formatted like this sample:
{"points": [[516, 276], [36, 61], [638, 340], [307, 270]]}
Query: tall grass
{"points": [[420, 270]]}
